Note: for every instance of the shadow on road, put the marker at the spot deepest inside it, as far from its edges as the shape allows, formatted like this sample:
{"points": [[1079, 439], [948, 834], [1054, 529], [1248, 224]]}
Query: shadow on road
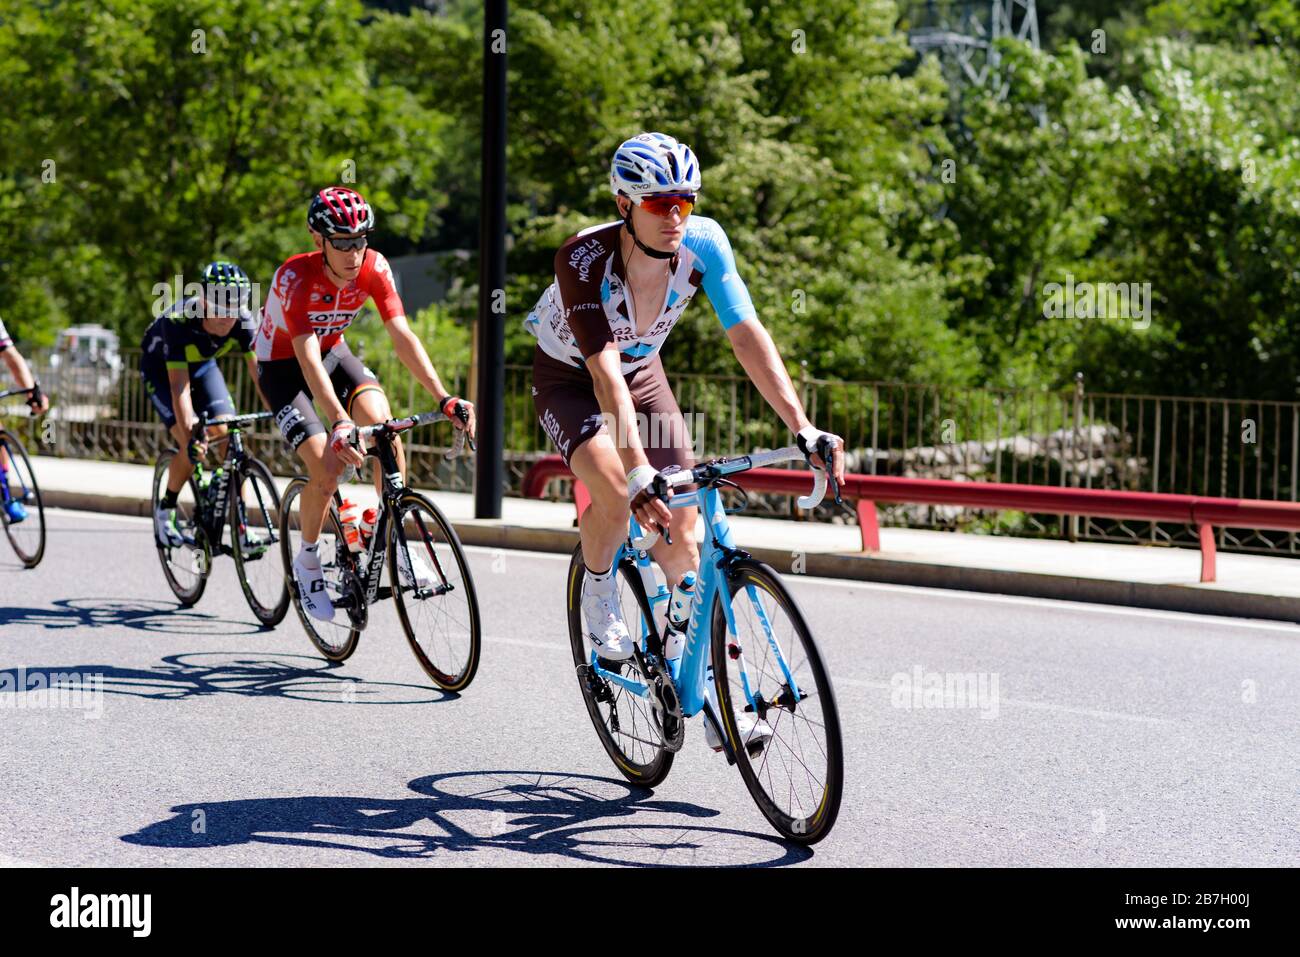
{"points": [[577, 816], [144, 614], [198, 674]]}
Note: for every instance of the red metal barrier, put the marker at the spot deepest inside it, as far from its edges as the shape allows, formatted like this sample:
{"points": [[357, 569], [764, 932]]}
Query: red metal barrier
{"points": [[1205, 513]]}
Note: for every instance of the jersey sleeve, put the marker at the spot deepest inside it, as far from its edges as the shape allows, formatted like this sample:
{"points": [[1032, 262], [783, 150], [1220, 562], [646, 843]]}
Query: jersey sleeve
{"points": [[175, 338], [722, 284], [289, 292], [383, 289], [5, 340], [580, 279]]}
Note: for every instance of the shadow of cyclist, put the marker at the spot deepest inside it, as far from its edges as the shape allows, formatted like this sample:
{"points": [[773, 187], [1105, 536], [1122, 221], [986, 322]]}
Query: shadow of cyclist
{"points": [[201, 674], [540, 813], [143, 614]]}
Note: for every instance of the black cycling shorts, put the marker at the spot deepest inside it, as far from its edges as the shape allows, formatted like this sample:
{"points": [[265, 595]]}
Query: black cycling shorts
{"points": [[208, 392], [565, 399], [286, 389]]}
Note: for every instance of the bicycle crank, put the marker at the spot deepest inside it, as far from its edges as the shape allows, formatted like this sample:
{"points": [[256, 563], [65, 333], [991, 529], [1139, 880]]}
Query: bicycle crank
{"points": [[666, 708]]}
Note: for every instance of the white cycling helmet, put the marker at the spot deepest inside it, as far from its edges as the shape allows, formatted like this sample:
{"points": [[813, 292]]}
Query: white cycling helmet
{"points": [[653, 163]]}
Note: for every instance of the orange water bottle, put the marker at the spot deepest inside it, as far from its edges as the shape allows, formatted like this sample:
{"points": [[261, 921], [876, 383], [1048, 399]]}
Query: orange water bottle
{"points": [[351, 526]]}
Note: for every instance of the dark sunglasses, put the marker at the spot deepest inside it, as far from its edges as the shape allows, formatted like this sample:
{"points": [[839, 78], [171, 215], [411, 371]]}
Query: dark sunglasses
{"points": [[346, 244]]}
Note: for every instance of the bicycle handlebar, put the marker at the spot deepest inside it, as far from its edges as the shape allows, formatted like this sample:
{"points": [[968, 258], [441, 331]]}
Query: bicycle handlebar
{"points": [[394, 426], [710, 472], [33, 395]]}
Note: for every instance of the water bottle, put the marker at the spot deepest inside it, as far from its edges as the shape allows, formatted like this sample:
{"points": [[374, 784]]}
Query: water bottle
{"points": [[368, 519], [679, 613], [351, 526]]}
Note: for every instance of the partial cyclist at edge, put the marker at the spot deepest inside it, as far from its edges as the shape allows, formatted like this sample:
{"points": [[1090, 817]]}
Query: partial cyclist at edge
{"points": [[182, 378], [37, 401], [303, 357], [619, 289]]}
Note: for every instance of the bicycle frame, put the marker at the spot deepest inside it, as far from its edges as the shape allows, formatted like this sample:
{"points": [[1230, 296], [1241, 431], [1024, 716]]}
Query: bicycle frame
{"points": [[213, 513], [694, 673], [370, 563]]}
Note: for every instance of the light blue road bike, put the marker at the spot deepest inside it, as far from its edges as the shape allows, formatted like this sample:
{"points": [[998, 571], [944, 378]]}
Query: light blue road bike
{"points": [[744, 627]]}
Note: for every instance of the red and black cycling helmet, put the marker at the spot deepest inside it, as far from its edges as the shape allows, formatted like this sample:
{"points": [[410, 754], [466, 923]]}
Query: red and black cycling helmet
{"points": [[337, 209]]}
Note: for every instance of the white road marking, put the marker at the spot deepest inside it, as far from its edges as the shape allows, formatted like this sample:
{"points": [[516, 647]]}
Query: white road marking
{"points": [[1073, 607]]}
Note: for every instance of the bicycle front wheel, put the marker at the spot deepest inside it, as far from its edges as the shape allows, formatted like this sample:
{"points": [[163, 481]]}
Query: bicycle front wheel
{"points": [[434, 592], [625, 722], [254, 534], [185, 566], [336, 639], [26, 536], [769, 669]]}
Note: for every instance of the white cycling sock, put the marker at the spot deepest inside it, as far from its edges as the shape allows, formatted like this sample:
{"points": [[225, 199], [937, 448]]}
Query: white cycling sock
{"points": [[601, 581], [307, 555]]}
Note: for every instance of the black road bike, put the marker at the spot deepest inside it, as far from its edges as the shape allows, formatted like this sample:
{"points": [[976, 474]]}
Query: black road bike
{"points": [[242, 492], [428, 574]]}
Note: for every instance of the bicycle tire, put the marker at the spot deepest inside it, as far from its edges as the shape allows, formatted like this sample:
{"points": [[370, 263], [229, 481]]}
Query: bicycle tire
{"points": [[656, 765], [188, 515], [30, 556], [403, 595], [802, 828], [339, 651], [241, 521]]}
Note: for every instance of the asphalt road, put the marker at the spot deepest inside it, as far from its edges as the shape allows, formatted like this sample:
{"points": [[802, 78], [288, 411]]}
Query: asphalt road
{"points": [[1116, 736]]}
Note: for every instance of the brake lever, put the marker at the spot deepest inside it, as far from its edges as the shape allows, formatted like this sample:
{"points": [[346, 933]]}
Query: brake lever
{"points": [[828, 461], [660, 487]]}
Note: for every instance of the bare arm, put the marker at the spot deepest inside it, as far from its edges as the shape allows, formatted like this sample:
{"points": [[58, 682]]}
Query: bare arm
{"points": [[22, 374], [179, 380], [410, 350], [616, 404], [757, 353], [620, 414], [252, 371], [18, 367], [307, 348]]}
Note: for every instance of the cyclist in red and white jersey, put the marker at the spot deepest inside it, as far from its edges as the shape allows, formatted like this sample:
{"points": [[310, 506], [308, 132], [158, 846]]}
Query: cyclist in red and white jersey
{"points": [[302, 356]]}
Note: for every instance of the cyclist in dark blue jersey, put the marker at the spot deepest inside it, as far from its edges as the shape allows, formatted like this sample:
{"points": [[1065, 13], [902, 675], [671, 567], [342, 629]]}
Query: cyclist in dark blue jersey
{"points": [[181, 375]]}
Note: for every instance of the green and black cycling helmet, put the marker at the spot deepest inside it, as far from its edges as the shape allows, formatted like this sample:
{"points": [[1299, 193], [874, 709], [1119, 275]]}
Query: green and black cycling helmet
{"points": [[226, 286]]}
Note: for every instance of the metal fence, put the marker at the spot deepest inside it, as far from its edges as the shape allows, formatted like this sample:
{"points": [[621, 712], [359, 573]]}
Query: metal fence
{"points": [[1235, 448]]}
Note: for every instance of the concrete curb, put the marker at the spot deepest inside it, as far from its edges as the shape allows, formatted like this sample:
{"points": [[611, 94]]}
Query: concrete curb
{"points": [[1182, 598]]}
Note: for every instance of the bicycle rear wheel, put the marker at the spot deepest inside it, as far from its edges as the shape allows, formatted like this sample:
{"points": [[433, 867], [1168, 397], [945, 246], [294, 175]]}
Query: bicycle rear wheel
{"points": [[254, 534], [336, 639], [439, 609], [28, 536], [770, 669], [625, 722], [185, 566]]}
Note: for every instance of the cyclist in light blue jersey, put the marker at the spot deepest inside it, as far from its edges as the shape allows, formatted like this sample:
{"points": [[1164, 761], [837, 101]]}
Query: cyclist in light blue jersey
{"points": [[619, 289]]}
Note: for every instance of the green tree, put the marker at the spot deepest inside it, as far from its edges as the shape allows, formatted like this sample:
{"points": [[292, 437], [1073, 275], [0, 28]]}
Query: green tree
{"points": [[183, 130]]}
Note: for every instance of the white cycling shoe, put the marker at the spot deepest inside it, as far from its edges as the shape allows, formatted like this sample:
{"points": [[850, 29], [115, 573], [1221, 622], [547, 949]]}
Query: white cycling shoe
{"points": [[754, 733], [164, 527], [604, 623], [312, 595], [415, 573]]}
